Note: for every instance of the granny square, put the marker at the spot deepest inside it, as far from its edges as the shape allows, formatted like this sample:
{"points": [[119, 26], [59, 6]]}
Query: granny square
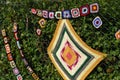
{"points": [[66, 14], [75, 12], [94, 8], [84, 10]]}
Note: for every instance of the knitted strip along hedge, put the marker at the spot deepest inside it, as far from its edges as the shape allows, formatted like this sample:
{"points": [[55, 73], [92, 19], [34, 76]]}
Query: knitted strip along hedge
{"points": [[9, 56], [15, 30], [67, 14]]}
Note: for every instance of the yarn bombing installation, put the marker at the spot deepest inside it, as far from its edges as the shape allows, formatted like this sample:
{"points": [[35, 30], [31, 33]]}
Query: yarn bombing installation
{"points": [[71, 56], [38, 31], [9, 56], [67, 14], [97, 22], [42, 23], [15, 30], [117, 35], [73, 59]]}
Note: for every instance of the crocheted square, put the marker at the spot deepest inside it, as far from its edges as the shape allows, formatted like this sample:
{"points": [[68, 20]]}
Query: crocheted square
{"points": [[75, 12], [94, 8], [84, 10], [71, 56], [66, 14]]}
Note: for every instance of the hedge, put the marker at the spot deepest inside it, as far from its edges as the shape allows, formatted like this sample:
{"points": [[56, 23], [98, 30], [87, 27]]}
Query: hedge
{"points": [[35, 47]]}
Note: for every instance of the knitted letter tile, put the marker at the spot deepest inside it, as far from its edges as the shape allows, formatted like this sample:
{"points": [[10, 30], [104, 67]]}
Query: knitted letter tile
{"points": [[71, 56]]}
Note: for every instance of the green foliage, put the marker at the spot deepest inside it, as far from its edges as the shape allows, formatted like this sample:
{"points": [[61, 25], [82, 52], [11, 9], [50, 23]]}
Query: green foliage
{"points": [[35, 48]]}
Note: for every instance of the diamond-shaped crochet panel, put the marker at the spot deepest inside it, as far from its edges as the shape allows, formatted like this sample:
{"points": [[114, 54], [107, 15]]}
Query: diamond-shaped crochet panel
{"points": [[71, 56]]}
